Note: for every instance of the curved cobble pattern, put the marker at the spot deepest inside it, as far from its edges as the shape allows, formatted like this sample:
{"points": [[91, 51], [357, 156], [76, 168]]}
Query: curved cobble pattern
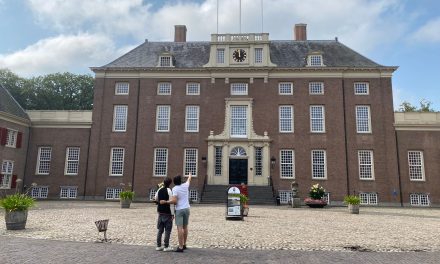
{"points": [[374, 229]]}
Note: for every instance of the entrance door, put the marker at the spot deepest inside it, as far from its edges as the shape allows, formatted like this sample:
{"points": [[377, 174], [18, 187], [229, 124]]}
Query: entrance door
{"points": [[238, 171]]}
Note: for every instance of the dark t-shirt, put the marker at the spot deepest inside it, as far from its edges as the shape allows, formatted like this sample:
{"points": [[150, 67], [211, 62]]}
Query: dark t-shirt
{"points": [[162, 194]]}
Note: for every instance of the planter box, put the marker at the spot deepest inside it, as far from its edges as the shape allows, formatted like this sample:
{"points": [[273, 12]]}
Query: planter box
{"points": [[16, 220], [296, 202], [125, 203], [353, 208], [312, 203]]}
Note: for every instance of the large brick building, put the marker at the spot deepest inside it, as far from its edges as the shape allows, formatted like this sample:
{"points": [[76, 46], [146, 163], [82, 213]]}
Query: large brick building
{"points": [[239, 108]]}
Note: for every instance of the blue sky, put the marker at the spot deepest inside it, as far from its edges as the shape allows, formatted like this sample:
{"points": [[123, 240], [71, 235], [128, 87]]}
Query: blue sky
{"points": [[46, 36]]}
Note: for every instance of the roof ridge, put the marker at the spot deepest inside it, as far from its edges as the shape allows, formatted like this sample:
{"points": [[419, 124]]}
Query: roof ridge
{"points": [[15, 101]]}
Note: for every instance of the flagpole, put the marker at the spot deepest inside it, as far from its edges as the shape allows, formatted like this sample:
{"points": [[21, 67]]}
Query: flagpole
{"points": [[262, 21], [217, 17], [240, 16]]}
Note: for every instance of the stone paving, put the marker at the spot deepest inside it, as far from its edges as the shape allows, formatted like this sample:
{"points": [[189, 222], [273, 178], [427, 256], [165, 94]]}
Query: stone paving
{"points": [[267, 227]]}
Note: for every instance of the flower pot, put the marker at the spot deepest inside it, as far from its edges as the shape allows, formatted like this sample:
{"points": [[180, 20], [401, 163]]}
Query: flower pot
{"points": [[314, 203], [125, 203], [353, 208], [296, 202], [16, 220]]}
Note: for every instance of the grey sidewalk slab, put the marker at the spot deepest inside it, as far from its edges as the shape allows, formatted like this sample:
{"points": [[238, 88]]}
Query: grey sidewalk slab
{"points": [[14, 250]]}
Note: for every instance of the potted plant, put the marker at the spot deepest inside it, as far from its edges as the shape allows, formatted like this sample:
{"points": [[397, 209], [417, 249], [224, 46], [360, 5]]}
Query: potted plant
{"points": [[16, 209], [315, 200], [353, 202], [126, 197]]}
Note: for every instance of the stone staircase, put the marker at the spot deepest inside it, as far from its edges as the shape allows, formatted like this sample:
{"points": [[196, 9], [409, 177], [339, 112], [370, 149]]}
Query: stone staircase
{"points": [[216, 194]]}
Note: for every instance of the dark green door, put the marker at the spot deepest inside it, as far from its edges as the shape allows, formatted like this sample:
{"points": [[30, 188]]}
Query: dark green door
{"points": [[238, 171]]}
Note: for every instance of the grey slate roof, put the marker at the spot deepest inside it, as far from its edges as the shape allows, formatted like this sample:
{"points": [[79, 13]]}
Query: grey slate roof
{"points": [[9, 105], [283, 53]]}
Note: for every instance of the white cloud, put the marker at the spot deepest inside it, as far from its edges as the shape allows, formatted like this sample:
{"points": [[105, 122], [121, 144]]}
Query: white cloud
{"points": [[429, 32], [73, 53]]}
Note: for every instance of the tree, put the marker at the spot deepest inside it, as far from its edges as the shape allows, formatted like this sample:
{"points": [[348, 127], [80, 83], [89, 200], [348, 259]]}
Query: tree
{"points": [[407, 107], [425, 106], [58, 91]]}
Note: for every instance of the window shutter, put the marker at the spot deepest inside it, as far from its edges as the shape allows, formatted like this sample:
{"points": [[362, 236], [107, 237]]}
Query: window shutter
{"points": [[3, 135], [14, 181], [19, 138]]}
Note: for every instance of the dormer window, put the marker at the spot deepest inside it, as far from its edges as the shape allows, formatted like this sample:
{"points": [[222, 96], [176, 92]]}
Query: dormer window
{"points": [[165, 61], [314, 60]]}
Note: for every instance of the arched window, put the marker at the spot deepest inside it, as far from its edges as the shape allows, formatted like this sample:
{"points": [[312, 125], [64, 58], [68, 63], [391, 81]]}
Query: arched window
{"points": [[238, 152]]}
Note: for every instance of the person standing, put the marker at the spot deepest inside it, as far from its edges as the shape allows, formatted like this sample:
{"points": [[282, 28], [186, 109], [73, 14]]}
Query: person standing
{"points": [[165, 217], [181, 199]]}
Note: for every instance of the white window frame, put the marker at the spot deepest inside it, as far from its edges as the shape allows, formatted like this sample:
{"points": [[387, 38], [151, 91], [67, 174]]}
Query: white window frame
{"points": [[284, 165], [190, 161], [161, 162], [239, 88], [68, 192], [120, 113], [258, 161], [311, 60], [164, 88], [72, 163], [11, 138], [220, 56], [412, 165], [192, 117], [159, 118], [366, 165], [165, 61], [122, 88], [319, 164], [112, 193], [7, 172], [218, 156], [358, 124], [115, 164], [285, 196], [40, 192], [358, 90], [369, 198], [313, 119], [48, 160], [193, 88], [234, 121], [285, 88], [326, 197], [419, 199], [258, 55], [193, 195], [314, 88], [152, 194], [284, 120]]}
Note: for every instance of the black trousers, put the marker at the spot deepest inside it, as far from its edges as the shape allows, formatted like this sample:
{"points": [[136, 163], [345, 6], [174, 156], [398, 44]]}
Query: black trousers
{"points": [[164, 223]]}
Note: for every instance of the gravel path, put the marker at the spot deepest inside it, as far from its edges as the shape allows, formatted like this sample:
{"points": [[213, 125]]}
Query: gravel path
{"points": [[374, 229]]}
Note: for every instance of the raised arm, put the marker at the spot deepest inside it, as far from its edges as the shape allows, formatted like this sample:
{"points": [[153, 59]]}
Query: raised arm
{"points": [[189, 178]]}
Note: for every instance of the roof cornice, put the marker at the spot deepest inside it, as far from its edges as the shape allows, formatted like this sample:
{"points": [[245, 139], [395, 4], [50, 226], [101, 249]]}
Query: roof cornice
{"points": [[14, 119]]}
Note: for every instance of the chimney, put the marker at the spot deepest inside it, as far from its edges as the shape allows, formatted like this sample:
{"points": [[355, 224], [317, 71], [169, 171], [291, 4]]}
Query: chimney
{"points": [[179, 33], [300, 32]]}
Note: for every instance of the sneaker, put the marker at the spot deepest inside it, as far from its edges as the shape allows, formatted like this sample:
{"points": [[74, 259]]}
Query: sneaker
{"points": [[178, 250], [159, 248], [167, 249], [184, 247]]}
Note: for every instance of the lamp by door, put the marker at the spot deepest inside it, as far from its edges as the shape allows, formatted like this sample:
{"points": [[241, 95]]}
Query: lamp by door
{"points": [[272, 162]]}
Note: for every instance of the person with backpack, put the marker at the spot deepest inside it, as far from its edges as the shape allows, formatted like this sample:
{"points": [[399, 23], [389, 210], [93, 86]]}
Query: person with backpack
{"points": [[165, 216]]}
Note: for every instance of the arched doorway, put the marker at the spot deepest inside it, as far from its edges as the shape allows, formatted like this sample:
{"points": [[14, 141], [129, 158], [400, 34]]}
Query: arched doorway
{"points": [[238, 166]]}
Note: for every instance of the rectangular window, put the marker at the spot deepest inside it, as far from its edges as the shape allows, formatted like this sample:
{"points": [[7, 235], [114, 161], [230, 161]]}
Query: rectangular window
{"points": [[363, 119], [112, 193], [72, 161], [416, 166], [190, 165], [419, 199], [163, 118], [317, 119], [286, 119], [120, 118], [287, 163], [361, 88], [193, 89], [319, 166], [193, 195], [368, 198], [316, 88], [40, 192], [238, 121], [164, 88], [218, 161], [165, 61], [43, 161], [11, 140], [220, 55], [192, 118], [315, 60], [239, 88], [366, 164], [258, 161], [6, 177], [68, 192], [326, 197], [160, 162], [285, 88], [285, 197], [152, 194], [117, 161], [258, 55], [121, 88]]}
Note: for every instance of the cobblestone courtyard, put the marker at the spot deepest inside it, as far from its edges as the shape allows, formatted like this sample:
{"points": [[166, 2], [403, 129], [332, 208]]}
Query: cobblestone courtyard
{"points": [[267, 227]]}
